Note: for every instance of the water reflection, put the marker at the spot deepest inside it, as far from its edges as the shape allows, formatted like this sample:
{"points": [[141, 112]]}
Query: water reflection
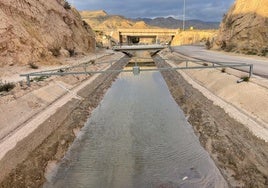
{"points": [[137, 137]]}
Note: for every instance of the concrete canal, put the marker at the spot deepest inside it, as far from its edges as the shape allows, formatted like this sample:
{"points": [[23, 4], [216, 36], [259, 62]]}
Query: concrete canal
{"points": [[137, 137]]}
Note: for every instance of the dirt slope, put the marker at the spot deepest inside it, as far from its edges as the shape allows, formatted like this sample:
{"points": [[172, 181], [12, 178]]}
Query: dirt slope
{"points": [[33, 31], [244, 28]]}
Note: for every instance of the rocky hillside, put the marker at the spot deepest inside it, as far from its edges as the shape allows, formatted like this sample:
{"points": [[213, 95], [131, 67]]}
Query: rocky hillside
{"points": [[36, 31], [173, 23], [193, 37], [101, 20], [244, 28]]}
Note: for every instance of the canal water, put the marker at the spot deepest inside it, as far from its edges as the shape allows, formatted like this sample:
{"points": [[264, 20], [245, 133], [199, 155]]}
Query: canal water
{"points": [[138, 137]]}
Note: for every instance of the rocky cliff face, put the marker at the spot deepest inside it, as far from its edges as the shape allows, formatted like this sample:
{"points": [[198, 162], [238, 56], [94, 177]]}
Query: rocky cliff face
{"points": [[38, 30], [244, 28], [193, 37]]}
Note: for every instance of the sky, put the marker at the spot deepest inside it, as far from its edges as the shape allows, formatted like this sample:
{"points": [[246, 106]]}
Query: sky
{"points": [[206, 10]]}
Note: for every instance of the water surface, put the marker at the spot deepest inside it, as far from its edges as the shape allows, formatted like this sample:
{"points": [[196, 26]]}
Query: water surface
{"points": [[137, 137]]}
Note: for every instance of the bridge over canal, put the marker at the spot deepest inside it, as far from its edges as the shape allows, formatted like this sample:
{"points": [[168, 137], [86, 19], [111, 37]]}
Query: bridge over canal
{"points": [[134, 35]]}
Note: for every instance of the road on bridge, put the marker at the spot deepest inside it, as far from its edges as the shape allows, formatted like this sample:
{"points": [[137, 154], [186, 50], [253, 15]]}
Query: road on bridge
{"points": [[199, 52]]}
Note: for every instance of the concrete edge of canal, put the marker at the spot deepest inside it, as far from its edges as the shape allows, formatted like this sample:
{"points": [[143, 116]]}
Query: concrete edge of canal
{"points": [[26, 163]]}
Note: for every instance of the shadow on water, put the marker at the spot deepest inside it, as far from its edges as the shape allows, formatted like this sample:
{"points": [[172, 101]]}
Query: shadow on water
{"points": [[137, 137]]}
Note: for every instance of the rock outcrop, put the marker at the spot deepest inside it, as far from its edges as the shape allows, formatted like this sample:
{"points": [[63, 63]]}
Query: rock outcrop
{"points": [[193, 37], [244, 28], [36, 31]]}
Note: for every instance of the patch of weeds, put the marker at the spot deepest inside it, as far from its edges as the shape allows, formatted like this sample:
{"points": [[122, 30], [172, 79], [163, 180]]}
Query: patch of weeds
{"points": [[39, 78], [71, 52], [264, 52], [251, 52], [7, 86], [245, 78], [55, 51], [208, 44], [33, 66]]}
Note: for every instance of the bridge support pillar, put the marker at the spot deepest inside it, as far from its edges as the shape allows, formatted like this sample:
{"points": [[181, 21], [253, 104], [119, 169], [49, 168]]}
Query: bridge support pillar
{"points": [[120, 39]]}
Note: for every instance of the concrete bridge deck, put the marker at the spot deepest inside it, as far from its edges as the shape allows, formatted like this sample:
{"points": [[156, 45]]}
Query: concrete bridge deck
{"points": [[139, 47], [148, 32]]}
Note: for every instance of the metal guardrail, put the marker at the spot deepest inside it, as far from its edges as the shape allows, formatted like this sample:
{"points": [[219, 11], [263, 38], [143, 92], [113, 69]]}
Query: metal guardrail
{"points": [[63, 70], [136, 69]]}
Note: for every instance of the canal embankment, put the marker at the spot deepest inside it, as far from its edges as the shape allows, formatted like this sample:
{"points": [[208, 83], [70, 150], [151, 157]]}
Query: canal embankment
{"points": [[239, 154], [24, 165]]}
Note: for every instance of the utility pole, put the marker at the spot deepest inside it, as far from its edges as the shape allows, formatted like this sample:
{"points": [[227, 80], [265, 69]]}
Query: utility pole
{"points": [[183, 24]]}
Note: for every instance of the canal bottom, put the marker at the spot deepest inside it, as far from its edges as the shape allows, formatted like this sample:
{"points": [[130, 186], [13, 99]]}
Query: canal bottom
{"points": [[137, 137]]}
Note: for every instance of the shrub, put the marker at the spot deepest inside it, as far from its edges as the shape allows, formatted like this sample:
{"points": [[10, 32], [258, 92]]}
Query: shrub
{"points": [[264, 52], [71, 52], [245, 78], [6, 86], [33, 66], [67, 5], [208, 44], [223, 70], [55, 51], [39, 78], [205, 64]]}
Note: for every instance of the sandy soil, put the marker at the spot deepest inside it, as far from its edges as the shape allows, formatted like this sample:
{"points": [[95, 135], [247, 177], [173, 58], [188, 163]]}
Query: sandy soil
{"points": [[241, 157], [50, 140]]}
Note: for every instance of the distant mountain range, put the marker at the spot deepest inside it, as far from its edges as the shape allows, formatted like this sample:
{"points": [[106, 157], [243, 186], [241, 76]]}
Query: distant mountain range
{"points": [[173, 23], [100, 19]]}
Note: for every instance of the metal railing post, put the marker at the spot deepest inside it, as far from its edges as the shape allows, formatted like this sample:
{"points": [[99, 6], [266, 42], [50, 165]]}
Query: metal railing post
{"points": [[250, 70], [28, 80]]}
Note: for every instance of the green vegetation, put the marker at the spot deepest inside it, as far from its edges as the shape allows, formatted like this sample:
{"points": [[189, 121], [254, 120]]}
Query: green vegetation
{"points": [[245, 78], [6, 86], [39, 78]]}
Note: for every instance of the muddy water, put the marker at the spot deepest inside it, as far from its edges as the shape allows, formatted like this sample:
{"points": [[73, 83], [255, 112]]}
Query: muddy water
{"points": [[137, 137]]}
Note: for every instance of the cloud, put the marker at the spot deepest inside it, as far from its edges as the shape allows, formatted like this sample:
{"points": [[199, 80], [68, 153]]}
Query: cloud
{"points": [[207, 10]]}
